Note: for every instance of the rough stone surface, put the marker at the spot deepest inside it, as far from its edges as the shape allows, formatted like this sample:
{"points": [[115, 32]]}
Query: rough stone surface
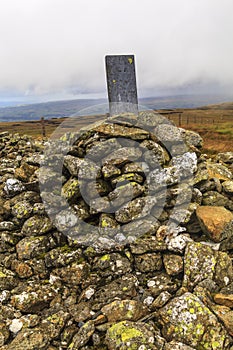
{"points": [[144, 274], [188, 320], [213, 221]]}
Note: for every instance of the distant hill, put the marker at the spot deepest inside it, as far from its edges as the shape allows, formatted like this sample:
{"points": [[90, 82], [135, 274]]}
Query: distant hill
{"points": [[59, 109], [219, 106]]}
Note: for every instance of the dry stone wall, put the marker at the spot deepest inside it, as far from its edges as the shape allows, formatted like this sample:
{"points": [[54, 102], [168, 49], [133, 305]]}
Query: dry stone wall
{"points": [[132, 251]]}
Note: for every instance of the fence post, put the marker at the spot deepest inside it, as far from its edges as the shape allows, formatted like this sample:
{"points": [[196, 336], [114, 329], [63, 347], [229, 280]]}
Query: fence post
{"points": [[43, 127]]}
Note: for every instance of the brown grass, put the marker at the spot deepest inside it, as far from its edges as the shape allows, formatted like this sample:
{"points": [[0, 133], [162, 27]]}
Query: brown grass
{"points": [[215, 126]]}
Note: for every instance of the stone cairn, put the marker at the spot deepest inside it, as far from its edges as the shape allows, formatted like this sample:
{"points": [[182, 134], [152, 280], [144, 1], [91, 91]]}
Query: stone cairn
{"points": [[161, 279]]}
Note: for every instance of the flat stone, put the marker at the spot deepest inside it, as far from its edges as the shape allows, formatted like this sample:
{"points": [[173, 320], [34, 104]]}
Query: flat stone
{"points": [[7, 279], [213, 198], [168, 134], [110, 170], [123, 155], [37, 225], [186, 164], [102, 148], [74, 274], [146, 244], [124, 193], [218, 171], [148, 119], [89, 170], [226, 316], [159, 179], [33, 301], [101, 204], [126, 178], [161, 300], [112, 263], [225, 157], [224, 299], [123, 310], [115, 130], [213, 221]]}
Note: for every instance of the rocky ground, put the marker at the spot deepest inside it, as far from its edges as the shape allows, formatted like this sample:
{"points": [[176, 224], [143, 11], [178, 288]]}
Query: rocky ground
{"points": [[124, 241]]}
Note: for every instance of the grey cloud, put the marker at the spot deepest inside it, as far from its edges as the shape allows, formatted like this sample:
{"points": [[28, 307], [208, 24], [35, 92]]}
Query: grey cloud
{"points": [[52, 46]]}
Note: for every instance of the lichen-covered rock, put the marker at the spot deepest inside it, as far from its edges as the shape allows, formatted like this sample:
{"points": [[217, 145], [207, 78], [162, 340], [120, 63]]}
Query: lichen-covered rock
{"points": [[124, 310], [173, 264], [213, 221], [193, 138], [146, 244], [202, 262], [123, 193], [81, 338], [31, 247], [33, 300], [7, 279], [213, 198], [148, 262], [225, 157], [115, 130], [130, 210], [114, 264], [186, 319], [161, 283], [73, 275], [228, 186], [37, 225], [218, 171], [72, 164], [173, 345], [71, 190], [130, 335], [22, 210]]}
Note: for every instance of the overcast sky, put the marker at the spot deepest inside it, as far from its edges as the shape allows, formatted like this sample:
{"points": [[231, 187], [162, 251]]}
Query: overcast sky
{"points": [[57, 47]]}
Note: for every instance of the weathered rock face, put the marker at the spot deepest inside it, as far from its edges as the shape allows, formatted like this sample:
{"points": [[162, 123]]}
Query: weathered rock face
{"points": [[155, 269]]}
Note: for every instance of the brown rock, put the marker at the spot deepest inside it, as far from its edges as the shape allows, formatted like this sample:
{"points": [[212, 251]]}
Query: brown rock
{"points": [[213, 221], [122, 310], [22, 269], [226, 316], [224, 299]]}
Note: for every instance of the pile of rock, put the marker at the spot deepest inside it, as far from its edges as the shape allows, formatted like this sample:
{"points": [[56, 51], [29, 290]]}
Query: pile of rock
{"points": [[129, 247]]}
